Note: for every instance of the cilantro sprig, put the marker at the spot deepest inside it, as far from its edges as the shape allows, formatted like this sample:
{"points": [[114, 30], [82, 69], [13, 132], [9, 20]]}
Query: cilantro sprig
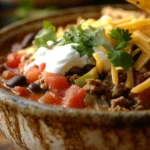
{"points": [[86, 39], [123, 37], [117, 56], [46, 34]]}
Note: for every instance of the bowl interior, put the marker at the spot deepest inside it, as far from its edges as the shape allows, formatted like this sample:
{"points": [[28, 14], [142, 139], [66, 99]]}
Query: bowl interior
{"points": [[16, 32]]}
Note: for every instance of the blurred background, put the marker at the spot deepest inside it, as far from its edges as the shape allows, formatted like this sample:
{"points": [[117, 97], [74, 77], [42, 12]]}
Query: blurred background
{"points": [[14, 10]]}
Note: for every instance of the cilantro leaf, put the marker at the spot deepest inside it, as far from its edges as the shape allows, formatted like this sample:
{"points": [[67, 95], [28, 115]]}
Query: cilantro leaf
{"points": [[72, 36], [123, 37], [120, 58], [84, 50], [94, 37], [117, 56], [90, 36], [86, 39], [46, 34]]}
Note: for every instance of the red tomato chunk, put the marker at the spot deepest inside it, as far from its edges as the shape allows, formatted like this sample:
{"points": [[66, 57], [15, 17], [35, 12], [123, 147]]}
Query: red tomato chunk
{"points": [[13, 59], [56, 83], [32, 74], [21, 67], [42, 67], [49, 98], [21, 91], [74, 97]]}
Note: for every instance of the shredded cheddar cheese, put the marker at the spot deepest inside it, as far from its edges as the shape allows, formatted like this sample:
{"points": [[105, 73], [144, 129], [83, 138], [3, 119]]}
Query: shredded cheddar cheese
{"points": [[135, 24], [130, 80], [114, 74], [125, 20], [146, 32], [141, 87], [60, 32], [141, 61], [99, 65], [142, 41], [101, 48]]}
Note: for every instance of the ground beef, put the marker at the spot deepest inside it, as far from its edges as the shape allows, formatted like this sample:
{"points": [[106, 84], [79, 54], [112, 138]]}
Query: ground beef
{"points": [[120, 103], [141, 77], [142, 70], [41, 82], [146, 75], [95, 86], [71, 79], [122, 75], [118, 108], [140, 105], [132, 96], [119, 90], [137, 104]]}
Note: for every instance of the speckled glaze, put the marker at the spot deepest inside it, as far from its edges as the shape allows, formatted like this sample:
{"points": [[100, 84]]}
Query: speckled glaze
{"points": [[33, 126]]}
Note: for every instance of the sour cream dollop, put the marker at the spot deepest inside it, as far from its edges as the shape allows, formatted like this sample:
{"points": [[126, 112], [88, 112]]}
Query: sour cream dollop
{"points": [[59, 60]]}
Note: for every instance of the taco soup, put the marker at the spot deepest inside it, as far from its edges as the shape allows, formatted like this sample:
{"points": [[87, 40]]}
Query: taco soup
{"points": [[100, 64]]}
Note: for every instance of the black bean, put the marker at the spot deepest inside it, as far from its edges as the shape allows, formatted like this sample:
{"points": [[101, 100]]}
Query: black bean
{"points": [[27, 41], [35, 88], [18, 80], [87, 68], [74, 70]]}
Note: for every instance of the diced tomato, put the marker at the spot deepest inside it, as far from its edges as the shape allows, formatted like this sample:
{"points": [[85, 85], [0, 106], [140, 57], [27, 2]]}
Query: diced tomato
{"points": [[74, 97], [21, 67], [21, 91], [13, 59], [57, 83], [49, 98], [32, 74], [42, 67], [145, 96], [7, 74]]}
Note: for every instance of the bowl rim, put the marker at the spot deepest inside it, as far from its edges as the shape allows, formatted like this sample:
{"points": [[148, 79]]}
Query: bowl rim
{"points": [[65, 11], [40, 110]]}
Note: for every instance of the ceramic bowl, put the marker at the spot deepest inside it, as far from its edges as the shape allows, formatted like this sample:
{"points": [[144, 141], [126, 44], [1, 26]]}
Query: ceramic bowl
{"points": [[33, 126]]}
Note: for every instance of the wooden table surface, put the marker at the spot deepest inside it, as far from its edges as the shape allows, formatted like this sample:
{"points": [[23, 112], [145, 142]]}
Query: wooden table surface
{"points": [[4, 143]]}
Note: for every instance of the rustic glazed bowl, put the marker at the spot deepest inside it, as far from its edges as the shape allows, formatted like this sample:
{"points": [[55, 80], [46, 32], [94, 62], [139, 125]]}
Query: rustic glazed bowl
{"points": [[33, 126]]}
